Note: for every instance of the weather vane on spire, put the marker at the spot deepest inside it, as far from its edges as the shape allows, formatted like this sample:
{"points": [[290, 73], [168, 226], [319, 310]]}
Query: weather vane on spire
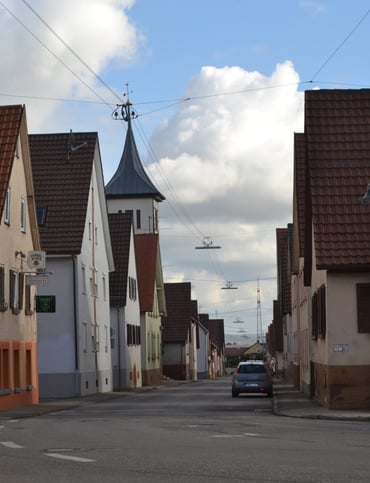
{"points": [[123, 111]]}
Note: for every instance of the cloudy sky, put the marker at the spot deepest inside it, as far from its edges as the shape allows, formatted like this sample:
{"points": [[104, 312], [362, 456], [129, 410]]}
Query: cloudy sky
{"points": [[218, 90]]}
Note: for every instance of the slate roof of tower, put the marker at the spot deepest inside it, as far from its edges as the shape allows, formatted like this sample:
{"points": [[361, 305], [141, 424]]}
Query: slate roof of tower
{"points": [[62, 185], [130, 179], [337, 133], [10, 123]]}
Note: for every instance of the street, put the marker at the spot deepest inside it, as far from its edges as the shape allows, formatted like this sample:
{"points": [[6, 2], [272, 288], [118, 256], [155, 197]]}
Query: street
{"points": [[184, 433]]}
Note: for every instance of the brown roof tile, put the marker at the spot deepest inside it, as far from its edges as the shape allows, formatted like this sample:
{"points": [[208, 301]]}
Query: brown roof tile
{"points": [[120, 233], [62, 185], [10, 123], [176, 324], [146, 250], [337, 131], [283, 272]]}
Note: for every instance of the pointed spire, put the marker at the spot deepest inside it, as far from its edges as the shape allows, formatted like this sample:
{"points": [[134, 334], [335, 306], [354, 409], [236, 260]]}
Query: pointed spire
{"points": [[130, 178]]}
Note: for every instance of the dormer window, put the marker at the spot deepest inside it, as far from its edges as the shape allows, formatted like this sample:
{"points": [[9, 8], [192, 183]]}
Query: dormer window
{"points": [[41, 212]]}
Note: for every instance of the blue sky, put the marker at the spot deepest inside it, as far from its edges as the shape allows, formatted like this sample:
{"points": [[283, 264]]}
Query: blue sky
{"points": [[224, 157]]}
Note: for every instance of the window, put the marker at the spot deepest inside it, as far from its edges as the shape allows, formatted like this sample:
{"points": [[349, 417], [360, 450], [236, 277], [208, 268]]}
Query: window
{"points": [[138, 219], [363, 307], [319, 313], [7, 208], [28, 301], [23, 214], [133, 334], [41, 212], [132, 292], [3, 305], [4, 368], [83, 276], [104, 282], [16, 283]]}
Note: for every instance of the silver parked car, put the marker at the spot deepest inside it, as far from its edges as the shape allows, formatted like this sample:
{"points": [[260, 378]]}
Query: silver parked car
{"points": [[252, 377]]}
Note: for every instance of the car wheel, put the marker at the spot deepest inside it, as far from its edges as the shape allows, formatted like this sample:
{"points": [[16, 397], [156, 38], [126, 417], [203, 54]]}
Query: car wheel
{"points": [[269, 394], [234, 394]]}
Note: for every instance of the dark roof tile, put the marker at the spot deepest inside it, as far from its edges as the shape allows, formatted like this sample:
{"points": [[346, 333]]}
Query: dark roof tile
{"points": [[62, 185], [337, 136]]}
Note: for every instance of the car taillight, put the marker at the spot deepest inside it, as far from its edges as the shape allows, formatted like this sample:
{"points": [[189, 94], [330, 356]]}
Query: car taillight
{"points": [[238, 369]]}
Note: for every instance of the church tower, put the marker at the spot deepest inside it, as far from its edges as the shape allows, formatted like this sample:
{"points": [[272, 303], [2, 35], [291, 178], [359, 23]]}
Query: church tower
{"points": [[130, 189]]}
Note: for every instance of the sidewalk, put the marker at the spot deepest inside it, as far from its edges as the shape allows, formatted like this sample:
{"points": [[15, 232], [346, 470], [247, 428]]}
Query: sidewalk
{"points": [[289, 401]]}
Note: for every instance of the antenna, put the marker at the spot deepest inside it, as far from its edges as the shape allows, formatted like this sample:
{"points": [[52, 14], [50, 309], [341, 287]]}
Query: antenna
{"points": [[123, 111], [72, 144]]}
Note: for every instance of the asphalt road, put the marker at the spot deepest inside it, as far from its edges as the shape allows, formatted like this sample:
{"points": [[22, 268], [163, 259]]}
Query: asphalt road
{"points": [[183, 433]]}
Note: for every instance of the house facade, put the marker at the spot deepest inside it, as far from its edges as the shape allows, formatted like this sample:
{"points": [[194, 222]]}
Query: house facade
{"points": [[18, 237], [179, 332], [331, 285], [124, 305], [152, 305], [73, 308]]}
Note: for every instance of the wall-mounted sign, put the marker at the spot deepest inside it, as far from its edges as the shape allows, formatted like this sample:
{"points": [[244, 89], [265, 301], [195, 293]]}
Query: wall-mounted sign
{"points": [[340, 347], [36, 260], [45, 303]]}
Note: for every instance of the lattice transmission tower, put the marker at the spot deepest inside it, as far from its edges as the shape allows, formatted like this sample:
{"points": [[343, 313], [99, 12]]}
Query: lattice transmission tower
{"points": [[259, 315]]}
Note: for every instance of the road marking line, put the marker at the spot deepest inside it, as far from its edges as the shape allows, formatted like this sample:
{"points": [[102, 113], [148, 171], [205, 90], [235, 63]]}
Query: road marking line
{"points": [[71, 458], [233, 435], [10, 444], [2, 427]]}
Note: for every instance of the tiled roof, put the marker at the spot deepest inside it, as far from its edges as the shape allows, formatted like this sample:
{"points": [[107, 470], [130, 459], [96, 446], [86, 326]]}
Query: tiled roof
{"points": [[130, 179], [299, 187], [337, 130], [176, 324], [10, 123], [283, 272], [62, 186], [216, 330], [146, 250], [120, 233]]}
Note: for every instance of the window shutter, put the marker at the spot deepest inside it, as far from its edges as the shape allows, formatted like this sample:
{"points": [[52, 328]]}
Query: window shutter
{"points": [[363, 307]]}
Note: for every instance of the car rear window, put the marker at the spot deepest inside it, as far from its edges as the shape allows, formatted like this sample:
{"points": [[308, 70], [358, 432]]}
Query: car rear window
{"points": [[252, 369]]}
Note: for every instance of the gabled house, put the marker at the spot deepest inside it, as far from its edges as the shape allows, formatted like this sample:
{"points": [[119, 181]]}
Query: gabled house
{"points": [[73, 308], [298, 357], [336, 246], [179, 332], [202, 345], [18, 237], [280, 345], [124, 305], [152, 305], [216, 356]]}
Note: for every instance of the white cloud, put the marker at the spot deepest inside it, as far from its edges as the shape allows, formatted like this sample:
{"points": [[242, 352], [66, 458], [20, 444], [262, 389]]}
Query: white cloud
{"points": [[98, 31], [229, 158]]}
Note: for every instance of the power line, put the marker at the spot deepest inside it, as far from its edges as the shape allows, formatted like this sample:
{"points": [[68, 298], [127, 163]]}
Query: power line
{"points": [[53, 54], [72, 51], [340, 46]]}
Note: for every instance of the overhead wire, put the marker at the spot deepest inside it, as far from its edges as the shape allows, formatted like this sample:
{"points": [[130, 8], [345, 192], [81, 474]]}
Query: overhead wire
{"points": [[340, 46], [181, 213]]}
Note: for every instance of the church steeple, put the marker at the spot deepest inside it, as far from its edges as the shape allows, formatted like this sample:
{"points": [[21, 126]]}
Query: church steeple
{"points": [[130, 179]]}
